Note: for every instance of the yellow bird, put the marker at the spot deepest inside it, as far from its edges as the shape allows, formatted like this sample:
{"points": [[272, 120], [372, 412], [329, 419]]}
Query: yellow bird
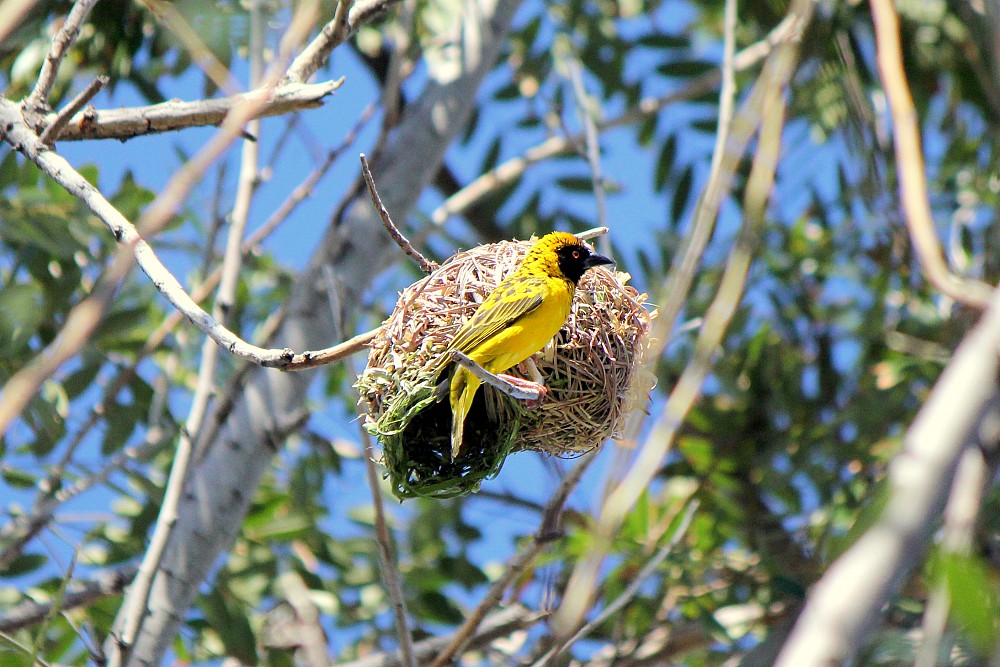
{"points": [[518, 318]]}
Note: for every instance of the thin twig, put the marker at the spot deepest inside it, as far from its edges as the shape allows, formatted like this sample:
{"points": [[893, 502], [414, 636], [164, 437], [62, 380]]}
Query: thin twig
{"points": [[584, 104], [775, 75], [23, 531], [910, 164], [387, 558], [519, 392], [548, 530], [318, 50], [594, 232], [498, 624], [509, 171], [426, 265], [726, 156], [80, 594], [133, 611], [51, 133], [37, 100], [630, 592]]}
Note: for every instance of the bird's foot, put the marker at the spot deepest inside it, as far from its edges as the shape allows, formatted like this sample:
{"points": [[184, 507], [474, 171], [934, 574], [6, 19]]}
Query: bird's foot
{"points": [[528, 386]]}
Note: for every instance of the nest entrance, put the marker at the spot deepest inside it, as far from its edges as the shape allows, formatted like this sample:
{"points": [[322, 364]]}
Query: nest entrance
{"points": [[589, 371]]}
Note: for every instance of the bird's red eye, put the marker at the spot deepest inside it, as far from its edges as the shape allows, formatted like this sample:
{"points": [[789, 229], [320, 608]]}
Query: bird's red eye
{"points": [[576, 254]]}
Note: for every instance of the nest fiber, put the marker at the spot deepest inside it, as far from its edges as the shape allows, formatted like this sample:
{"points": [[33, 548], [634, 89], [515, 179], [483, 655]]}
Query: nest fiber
{"points": [[589, 370]]}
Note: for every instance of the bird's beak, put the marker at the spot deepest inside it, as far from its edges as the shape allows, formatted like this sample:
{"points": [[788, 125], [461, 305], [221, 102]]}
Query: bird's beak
{"points": [[596, 260]]}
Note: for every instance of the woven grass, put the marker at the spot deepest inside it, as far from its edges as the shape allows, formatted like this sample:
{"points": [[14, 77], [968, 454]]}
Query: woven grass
{"points": [[589, 372]]}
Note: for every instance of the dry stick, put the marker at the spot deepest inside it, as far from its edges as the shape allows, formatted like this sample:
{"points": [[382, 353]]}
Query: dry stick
{"points": [[960, 516], [426, 265], [630, 592], [129, 621], [29, 612], [962, 412], [16, 132], [509, 171], [910, 164], [726, 155], [584, 104], [582, 583], [499, 624], [37, 100], [51, 133], [318, 50], [132, 122], [45, 505], [547, 532], [386, 555]]}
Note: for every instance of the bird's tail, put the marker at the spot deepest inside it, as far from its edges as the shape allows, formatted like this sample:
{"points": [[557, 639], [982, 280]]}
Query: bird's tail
{"points": [[463, 389]]}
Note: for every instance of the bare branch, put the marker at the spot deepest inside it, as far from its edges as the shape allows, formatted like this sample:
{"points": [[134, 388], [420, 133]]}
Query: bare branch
{"points": [[426, 265], [51, 133], [15, 131], [630, 592], [508, 172], [37, 101], [547, 531], [79, 594], [498, 624], [349, 16], [584, 104], [962, 412], [133, 122], [910, 164], [767, 108], [318, 50], [520, 392]]}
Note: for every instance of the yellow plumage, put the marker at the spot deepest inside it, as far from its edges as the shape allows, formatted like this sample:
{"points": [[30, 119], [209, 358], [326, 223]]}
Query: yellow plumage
{"points": [[518, 318]]}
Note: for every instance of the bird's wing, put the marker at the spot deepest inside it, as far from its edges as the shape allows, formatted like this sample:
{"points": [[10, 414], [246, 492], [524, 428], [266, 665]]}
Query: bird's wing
{"points": [[504, 306]]}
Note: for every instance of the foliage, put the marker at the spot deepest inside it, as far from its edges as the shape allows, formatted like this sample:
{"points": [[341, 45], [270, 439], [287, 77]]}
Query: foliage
{"points": [[836, 344]]}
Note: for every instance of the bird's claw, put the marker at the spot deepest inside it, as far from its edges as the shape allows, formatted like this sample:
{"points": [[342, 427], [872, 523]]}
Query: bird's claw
{"points": [[527, 385]]}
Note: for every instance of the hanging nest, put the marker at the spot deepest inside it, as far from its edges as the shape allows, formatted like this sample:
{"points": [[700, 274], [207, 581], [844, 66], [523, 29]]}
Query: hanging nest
{"points": [[589, 372]]}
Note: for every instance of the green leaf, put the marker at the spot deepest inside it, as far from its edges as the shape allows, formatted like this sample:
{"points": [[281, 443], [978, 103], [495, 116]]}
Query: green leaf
{"points": [[681, 193], [24, 564], [974, 601]]}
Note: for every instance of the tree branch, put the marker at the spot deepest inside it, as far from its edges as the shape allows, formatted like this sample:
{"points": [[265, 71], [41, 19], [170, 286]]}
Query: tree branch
{"points": [[962, 411], [133, 122], [426, 265], [910, 164], [51, 133], [80, 594], [766, 107], [37, 100]]}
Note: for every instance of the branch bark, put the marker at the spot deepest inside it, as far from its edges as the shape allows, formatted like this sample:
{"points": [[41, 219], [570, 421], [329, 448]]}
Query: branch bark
{"points": [[221, 487], [963, 411], [134, 122]]}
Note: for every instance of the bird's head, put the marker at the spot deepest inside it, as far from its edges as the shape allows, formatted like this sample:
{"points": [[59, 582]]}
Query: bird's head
{"points": [[572, 255]]}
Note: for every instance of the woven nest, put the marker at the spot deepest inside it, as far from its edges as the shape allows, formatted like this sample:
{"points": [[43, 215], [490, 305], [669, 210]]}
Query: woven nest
{"points": [[589, 372]]}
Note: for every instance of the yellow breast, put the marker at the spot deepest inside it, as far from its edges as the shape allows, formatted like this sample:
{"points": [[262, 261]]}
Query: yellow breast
{"points": [[529, 334]]}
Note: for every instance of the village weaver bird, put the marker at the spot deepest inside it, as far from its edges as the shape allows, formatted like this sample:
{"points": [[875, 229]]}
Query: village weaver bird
{"points": [[518, 318]]}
